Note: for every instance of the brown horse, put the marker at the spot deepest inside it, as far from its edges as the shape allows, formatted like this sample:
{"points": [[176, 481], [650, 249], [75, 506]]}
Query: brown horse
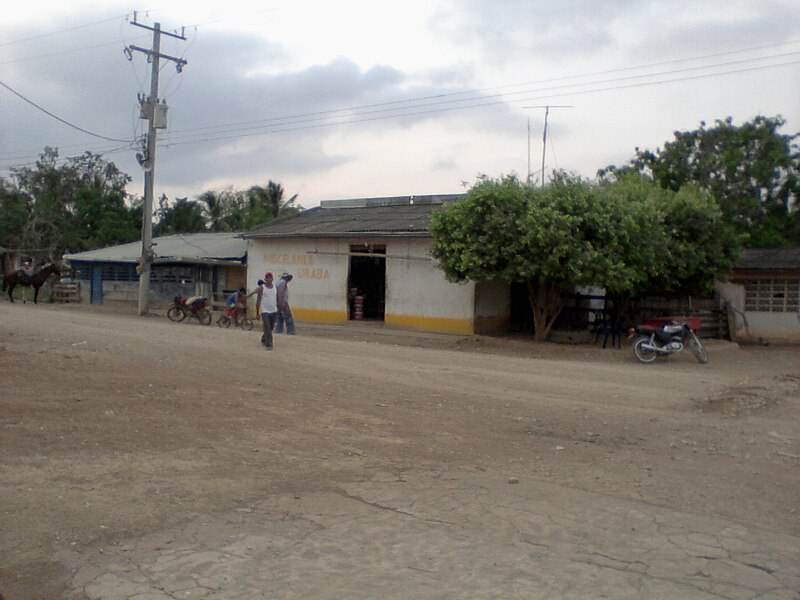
{"points": [[12, 280]]}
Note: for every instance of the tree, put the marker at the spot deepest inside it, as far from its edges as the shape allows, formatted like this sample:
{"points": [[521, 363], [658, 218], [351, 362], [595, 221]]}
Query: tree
{"points": [[103, 220], [702, 246], [230, 210], [629, 236], [184, 216], [218, 209], [14, 214], [751, 170], [267, 203], [550, 238], [46, 203], [683, 246]]}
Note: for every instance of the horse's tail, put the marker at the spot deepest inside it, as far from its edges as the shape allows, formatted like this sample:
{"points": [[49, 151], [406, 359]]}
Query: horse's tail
{"points": [[4, 284]]}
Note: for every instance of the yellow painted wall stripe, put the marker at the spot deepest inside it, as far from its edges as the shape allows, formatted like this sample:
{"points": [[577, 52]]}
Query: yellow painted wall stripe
{"points": [[434, 324], [313, 315], [418, 323]]}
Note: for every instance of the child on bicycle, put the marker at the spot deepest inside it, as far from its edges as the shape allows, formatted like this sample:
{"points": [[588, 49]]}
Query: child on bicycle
{"points": [[237, 304]]}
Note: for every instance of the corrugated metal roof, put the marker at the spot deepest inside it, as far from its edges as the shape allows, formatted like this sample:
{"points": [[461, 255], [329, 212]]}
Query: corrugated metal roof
{"points": [[769, 259], [395, 216], [191, 247]]}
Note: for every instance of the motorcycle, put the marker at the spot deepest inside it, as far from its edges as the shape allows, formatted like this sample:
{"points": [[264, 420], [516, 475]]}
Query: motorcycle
{"points": [[665, 339], [197, 307]]}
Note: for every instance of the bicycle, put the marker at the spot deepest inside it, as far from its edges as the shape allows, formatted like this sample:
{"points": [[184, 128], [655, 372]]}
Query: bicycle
{"points": [[226, 318]]}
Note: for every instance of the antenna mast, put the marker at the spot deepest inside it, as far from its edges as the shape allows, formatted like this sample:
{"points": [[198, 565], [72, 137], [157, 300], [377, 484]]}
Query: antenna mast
{"points": [[546, 108]]}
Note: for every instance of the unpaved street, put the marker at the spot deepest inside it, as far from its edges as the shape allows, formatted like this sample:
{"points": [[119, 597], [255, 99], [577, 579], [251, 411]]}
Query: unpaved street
{"points": [[144, 459]]}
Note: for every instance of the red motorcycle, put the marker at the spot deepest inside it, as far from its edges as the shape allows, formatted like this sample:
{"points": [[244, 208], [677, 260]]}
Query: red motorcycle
{"points": [[662, 338], [196, 306]]}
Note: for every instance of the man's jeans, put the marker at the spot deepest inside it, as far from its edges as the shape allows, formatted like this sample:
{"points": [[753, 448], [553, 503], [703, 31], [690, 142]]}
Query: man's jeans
{"points": [[285, 316], [269, 324]]}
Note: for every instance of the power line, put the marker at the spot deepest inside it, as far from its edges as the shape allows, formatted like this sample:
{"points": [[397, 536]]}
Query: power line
{"points": [[59, 31], [448, 102], [57, 118], [453, 98], [414, 108], [178, 138]]}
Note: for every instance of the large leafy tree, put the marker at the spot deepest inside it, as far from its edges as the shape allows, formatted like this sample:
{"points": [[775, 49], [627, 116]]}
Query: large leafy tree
{"points": [[550, 238], [629, 236], [752, 171], [683, 245], [702, 246], [103, 220], [73, 204]]}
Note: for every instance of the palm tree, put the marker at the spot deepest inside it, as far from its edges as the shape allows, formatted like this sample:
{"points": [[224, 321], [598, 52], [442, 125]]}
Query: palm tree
{"points": [[216, 208], [269, 201]]}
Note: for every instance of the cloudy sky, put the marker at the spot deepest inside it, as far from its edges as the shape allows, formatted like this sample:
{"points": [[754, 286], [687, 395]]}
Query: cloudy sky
{"points": [[359, 98]]}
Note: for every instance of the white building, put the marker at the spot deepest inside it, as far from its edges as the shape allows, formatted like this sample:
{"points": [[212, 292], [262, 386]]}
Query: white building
{"points": [[370, 259], [763, 296]]}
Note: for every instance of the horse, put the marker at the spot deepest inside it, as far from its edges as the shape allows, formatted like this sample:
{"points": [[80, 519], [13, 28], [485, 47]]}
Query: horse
{"points": [[12, 280]]}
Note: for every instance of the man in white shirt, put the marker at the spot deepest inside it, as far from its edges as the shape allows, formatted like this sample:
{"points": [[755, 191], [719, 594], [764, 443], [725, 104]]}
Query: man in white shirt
{"points": [[267, 306]]}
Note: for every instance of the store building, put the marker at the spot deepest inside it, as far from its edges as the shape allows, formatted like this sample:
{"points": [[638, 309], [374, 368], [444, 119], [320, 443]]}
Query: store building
{"points": [[370, 259]]}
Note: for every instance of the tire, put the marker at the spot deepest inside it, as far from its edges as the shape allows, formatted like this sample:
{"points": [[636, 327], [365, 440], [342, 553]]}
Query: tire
{"points": [[176, 313], [246, 323], [643, 354], [699, 351], [204, 316], [224, 321]]}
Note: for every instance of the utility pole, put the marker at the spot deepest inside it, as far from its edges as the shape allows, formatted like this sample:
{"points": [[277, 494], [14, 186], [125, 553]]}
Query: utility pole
{"points": [[156, 114], [546, 108]]}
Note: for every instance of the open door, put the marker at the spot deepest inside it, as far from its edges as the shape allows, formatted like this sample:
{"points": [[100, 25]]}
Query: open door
{"points": [[366, 283]]}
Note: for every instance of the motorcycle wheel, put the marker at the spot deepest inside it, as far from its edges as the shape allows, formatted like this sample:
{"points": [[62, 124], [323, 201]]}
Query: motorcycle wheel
{"points": [[643, 354], [699, 351], [224, 321], [204, 316], [246, 323], [176, 313]]}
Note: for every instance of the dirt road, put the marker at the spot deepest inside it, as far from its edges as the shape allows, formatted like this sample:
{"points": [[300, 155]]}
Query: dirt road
{"points": [[148, 459]]}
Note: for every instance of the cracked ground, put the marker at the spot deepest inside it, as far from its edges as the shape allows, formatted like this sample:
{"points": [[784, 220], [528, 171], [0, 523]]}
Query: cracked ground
{"points": [[143, 459]]}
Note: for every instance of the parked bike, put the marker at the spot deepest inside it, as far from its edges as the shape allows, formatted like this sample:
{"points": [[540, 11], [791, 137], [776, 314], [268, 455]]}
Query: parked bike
{"points": [[665, 339], [226, 318], [195, 306]]}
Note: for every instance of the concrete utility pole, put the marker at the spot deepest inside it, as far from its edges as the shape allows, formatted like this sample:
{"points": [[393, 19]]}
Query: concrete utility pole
{"points": [[156, 115], [546, 108]]}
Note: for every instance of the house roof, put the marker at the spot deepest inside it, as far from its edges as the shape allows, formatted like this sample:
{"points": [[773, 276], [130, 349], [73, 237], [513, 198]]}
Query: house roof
{"points": [[407, 216], [205, 248], [769, 259]]}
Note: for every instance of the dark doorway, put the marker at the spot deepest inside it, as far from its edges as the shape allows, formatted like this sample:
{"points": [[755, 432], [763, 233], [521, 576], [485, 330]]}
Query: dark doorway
{"points": [[367, 281], [521, 313]]}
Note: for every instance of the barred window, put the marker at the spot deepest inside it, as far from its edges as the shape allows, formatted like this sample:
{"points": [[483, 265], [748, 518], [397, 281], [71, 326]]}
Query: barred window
{"points": [[181, 274], [119, 272], [772, 295]]}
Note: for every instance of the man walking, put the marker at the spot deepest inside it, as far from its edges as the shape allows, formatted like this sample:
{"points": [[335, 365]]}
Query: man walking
{"points": [[267, 306], [284, 310]]}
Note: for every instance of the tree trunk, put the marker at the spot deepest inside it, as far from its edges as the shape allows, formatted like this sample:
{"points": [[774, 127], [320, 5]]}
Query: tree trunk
{"points": [[547, 302]]}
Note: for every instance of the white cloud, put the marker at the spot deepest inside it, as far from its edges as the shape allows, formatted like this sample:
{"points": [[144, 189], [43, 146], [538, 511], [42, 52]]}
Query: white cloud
{"points": [[361, 98]]}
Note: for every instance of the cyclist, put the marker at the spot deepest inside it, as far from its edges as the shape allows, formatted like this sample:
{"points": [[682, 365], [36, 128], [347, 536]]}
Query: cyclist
{"points": [[237, 304]]}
